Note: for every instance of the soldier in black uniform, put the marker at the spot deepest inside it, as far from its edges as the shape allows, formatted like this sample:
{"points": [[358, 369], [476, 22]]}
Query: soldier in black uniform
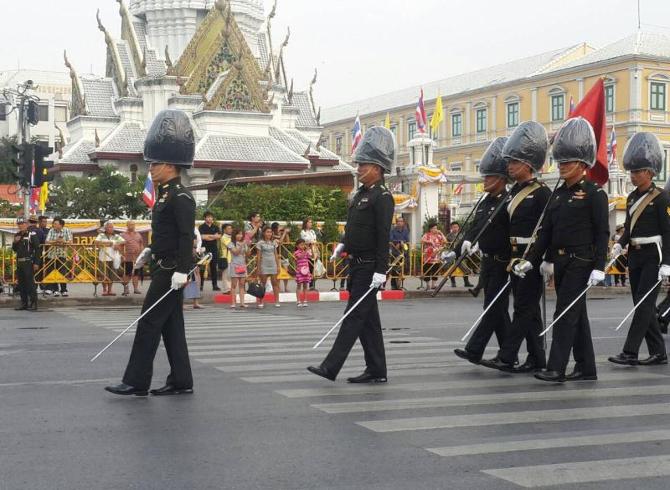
{"points": [[169, 147], [495, 246], [366, 240], [525, 152], [574, 235], [26, 244], [647, 234]]}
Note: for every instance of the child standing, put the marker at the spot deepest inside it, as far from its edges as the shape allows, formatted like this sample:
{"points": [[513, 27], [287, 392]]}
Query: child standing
{"points": [[238, 266], [268, 263], [302, 274]]}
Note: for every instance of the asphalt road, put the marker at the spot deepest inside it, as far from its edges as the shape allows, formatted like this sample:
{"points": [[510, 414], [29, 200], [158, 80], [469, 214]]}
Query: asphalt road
{"points": [[258, 420]]}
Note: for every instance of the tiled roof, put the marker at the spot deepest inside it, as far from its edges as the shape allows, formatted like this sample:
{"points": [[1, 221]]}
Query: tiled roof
{"points": [[126, 138], [141, 32], [99, 94], [306, 117], [263, 50], [9, 78], [223, 148], [641, 43], [296, 146], [506, 72], [77, 152], [324, 153], [154, 65]]}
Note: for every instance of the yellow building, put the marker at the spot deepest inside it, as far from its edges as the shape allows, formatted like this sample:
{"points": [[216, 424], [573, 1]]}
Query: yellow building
{"points": [[491, 102]]}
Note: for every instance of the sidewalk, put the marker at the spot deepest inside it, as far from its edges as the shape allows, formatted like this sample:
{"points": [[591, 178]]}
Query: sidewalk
{"points": [[82, 294]]}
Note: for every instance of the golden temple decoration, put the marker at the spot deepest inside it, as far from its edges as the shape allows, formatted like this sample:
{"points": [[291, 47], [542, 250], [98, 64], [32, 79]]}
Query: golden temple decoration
{"points": [[311, 92], [78, 103], [62, 142], [116, 69], [97, 138], [129, 35]]}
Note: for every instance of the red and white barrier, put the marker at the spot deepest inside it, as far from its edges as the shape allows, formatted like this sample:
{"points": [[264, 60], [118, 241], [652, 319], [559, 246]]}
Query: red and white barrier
{"points": [[312, 297]]}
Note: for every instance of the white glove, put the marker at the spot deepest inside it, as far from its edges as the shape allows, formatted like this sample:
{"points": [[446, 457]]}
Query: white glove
{"points": [[664, 271], [179, 279], [616, 250], [142, 258], [200, 250], [547, 270], [447, 256], [596, 277], [378, 280], [474, 249], [521, 267], [337, 252], [466, 247]]}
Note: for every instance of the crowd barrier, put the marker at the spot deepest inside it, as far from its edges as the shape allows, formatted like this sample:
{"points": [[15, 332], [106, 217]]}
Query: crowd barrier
{"points": [[70, 263]]}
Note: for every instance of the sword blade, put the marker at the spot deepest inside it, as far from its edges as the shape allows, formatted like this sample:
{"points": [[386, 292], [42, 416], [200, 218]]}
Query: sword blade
{"points": [[638, 304], [566, 310], [479, 318]]}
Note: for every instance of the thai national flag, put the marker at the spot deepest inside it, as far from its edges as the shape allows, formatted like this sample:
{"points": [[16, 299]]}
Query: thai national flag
{"points": [[356, 134], [420, 115], [612, 148], [149, 194]]}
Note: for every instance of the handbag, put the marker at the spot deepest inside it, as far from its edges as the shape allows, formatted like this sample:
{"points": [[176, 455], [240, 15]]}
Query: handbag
{"points": [[240, 269], [319, 269], [256, 290]]}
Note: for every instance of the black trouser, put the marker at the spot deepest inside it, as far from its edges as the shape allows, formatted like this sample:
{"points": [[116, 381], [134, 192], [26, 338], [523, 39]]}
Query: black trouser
{"points": [[25, 278], [166, 320], [492, 277], [527, 321], [59, 264], [213, 273], [643, 268], [362, 324], [572, 331]]}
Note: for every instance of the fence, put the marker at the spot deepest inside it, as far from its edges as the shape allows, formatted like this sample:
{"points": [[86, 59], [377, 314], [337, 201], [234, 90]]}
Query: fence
{"points": [[79, 263]]}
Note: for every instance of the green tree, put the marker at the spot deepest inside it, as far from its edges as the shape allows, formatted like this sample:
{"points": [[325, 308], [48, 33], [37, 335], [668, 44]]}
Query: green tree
{"points": [[106, 195]]}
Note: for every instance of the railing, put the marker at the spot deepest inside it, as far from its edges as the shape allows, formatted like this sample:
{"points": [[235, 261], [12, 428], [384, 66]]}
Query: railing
{"points": [[70, 263]]}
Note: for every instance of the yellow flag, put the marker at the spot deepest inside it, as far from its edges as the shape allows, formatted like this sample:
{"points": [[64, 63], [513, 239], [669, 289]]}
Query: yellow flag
{"points": [[44, 196], [387, 121], [438, 115]]}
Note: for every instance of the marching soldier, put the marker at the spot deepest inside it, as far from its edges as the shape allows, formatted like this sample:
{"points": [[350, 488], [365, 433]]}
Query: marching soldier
{"points": [[525, 152], [26, 244], [574, 234], [647, 234], [169, 147], [366, 240], [495, 247]]}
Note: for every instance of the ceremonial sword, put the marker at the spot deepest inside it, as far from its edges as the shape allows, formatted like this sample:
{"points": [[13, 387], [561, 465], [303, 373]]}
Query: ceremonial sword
{"points": [[639, 303], [203, 261]]}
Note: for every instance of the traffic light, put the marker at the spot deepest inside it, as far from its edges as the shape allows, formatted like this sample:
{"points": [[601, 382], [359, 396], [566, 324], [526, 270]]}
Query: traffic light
{"points": [[33, 113], [24, 161], [42, 166]]}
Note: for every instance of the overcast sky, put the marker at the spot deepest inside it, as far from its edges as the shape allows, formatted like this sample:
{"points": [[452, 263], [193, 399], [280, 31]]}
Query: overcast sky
{"points": [[360, 47]]}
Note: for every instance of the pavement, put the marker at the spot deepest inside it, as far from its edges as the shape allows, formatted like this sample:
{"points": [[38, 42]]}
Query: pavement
{"points": [[259, 420]]}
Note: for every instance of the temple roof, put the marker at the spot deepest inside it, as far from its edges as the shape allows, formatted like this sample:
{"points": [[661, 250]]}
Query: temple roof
{"points": [[99, 95], [224, 148], [77, 152], [126, 138]]}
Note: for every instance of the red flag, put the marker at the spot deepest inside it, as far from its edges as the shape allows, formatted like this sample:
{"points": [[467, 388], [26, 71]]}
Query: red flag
{"points": [[592, 108]]}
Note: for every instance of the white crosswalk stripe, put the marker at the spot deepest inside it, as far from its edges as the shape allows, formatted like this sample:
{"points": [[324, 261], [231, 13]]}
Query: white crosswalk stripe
{"points": [[447, 406]]}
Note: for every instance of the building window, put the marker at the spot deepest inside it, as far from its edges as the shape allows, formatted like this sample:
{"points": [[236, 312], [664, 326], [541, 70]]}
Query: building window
{"points": [[394, 130], [557, 107], [338, 144], [456, 125], [411, 130], [480, 118], [456, 167], [512, 114], [657, 98], [609, 99], [60, 114], [43, 113]]}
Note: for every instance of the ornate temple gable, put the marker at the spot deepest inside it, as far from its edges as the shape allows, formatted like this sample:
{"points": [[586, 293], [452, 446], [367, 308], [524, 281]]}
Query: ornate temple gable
{"points": [[115, 68], [216, 46], [129, 35], [239, 91], [78, 103]]}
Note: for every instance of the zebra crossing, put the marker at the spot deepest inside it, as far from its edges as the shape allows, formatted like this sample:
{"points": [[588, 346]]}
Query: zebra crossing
{"points": [[574, 434]]}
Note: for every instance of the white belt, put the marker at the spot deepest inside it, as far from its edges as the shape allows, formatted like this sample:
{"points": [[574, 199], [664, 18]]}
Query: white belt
{"points": [[520, 240], [646, 240]]}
